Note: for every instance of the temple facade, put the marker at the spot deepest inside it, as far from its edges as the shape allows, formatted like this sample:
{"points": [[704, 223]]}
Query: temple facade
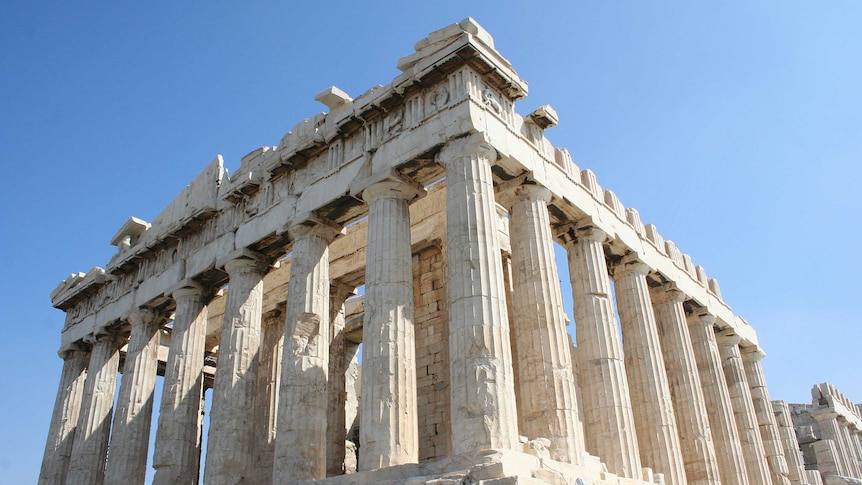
{"points": [[455, 365]]}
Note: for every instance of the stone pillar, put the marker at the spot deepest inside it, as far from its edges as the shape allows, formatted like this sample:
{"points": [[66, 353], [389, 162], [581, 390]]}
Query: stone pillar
{"points": [[827, 423], [728, 449], [743, 408], [266, 405], [792, 454], [87, 462], [608, 419], [547, 404], [231, 442], [300, 445], [765, 416], [698, 449], [828, 460], [61, 433], [655, 421], [336, 420], [130, 435], [484, 414], [177, 455], [849, 448], [388, 430]]}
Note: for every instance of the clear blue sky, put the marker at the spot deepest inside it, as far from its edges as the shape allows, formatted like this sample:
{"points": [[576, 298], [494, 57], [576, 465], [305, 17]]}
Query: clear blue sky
{"points": [[736, 128]]}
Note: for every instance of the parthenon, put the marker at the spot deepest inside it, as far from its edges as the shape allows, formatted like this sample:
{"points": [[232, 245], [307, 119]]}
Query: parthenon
{"points": [[433, 198]]}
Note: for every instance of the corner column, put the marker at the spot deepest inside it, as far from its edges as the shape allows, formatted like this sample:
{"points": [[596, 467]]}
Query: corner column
{"points": [[178, 436], [548, 406], [300, 444], [231, 442], [743, 409], [61, 433], [608, 418], [130, 435], [698, 449], [849, 448], [728, 449], [87, 463], [266, 406], [388, 431], [765, 416], [655, 422], [483, 406], [792, 454]]}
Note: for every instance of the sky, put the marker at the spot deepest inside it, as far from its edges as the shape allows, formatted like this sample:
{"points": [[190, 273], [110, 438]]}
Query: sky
{"points": [[734, 127]]}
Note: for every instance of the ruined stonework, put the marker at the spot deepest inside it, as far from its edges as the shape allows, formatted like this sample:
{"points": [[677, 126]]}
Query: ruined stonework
{"points": [[413, 229], [829, 433]]}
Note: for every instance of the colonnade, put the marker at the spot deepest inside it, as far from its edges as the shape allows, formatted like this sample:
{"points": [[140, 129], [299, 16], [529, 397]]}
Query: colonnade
{"points": [[661, 390]]}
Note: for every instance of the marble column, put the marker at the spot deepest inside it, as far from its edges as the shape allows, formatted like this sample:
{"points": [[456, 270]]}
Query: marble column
{"points": [[61, 433], [789, 442], [827, 423], [743, 408], [300, 445], [609, 427], [266, 405], [87, 462], [547, 404], [765, 416], [484, 414], [849, 448], [828, 458], [698, 448], [230, 446], [336, 420], [177, 453], [388, 430], [655, 421], [728, 449], [130, 435]]}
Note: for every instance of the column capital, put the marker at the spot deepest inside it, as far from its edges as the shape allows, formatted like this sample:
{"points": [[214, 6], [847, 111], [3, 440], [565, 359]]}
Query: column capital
{"points": [[142, 316], [701, 316], [631, 263], [310, 225], [727, 337], [752, 354], [581, 230], [667, 292], [523, 189], [244, 260], [105, 335], [387, 184], [824, 414], [475, 144]]}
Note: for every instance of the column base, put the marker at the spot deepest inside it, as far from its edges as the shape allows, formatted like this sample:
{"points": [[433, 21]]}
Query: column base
{"points": [[492, 467]]}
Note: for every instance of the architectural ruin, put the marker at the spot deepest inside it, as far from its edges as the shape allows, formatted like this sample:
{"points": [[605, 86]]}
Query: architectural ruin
{"points": [[442, 201]]}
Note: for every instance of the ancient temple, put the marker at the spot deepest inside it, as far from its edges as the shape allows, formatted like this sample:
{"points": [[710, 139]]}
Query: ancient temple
{"points": [[445, 203]]}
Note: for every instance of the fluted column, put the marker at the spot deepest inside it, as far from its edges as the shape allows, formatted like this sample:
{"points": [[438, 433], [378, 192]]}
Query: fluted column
{"points": [[130, 435], [655, 421], [698, 449], [87, 463], [765, 416], [827, 423], [743, 409], [64, 420], [548, 406], [300, 445], [609, 427], [336, 420], [483, 407], [266, 406], [792, 454], [849, 448], [388, 430], [728, 449], [828, 458], [178, 437], [231, 441]]}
